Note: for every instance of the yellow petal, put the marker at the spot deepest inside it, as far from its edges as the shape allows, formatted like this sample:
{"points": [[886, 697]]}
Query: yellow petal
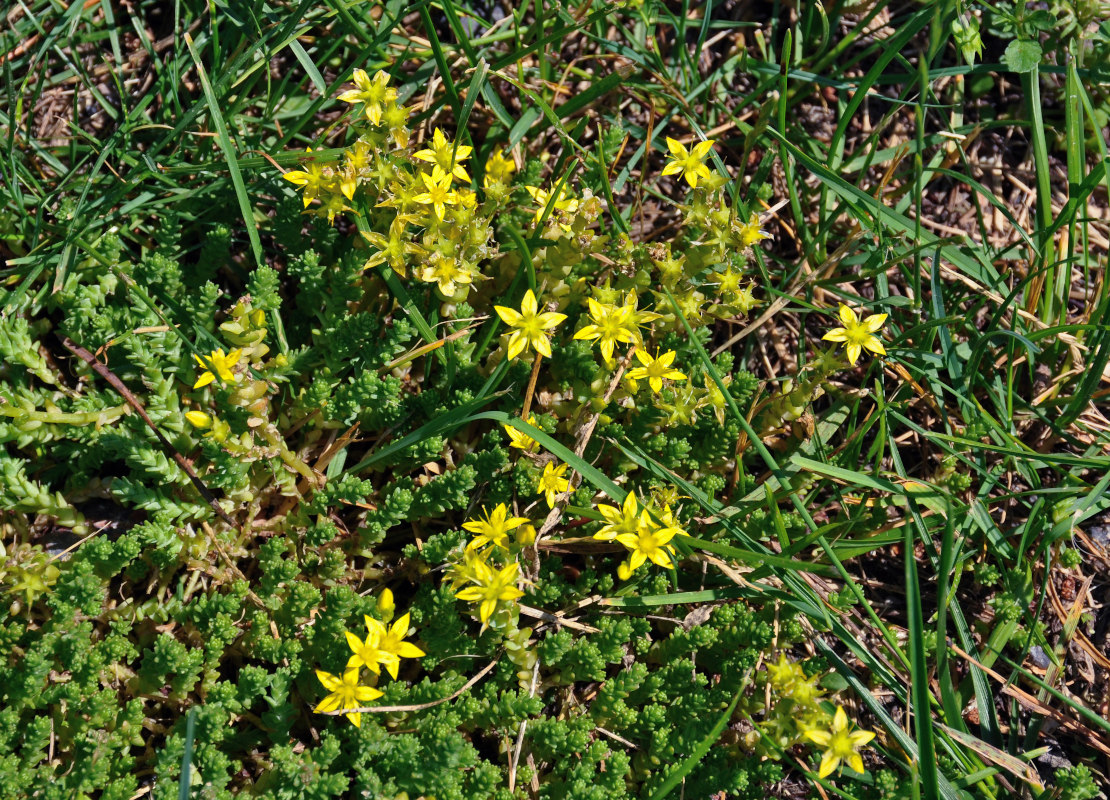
{"points": [[874, 322], [508, 315], [860, 738], [367, 694], [549, 319], [400, 628], [486, 610], [829, 762], [676, 147], [847, 315], [836, 335], [701, 149], [875, 346], [355, 643], [409, 650], [820, 737], [516, 344]]}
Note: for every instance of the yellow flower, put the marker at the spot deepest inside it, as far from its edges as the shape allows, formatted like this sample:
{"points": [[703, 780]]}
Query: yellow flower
{"points": [[552, 482], [217, 363], [841, 743], [691, 164], [493, 586], [611, 324], [494, 529], [446, 156], [529, 326], [332, 204], [751, 233], [667, 517], [395, 118], [627, 519], [446, 273], [655, 370], [214, 427], [646, 544], [345, 693], [788, 679], [437, 192], [563, 202], [313, 178], [393, 250], [636, 317], [391, 642], [369, 654], [372, 93], [858, 335], [520, 440], [468, 570], [498, 168]]}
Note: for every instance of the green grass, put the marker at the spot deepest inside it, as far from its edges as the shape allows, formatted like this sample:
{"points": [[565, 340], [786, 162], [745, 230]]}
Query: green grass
{"points": [[946, 493]]}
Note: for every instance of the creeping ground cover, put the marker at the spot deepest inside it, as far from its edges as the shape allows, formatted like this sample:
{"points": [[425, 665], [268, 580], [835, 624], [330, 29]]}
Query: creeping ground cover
{"points": [[554, 400]]}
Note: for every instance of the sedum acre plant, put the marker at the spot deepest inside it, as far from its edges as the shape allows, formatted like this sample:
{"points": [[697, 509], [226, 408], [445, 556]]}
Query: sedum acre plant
{"points": [[356, 424]]}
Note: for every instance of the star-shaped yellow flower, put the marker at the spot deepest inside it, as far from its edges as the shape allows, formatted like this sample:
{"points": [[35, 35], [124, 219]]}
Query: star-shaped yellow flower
{"points": [[858, 335], [552, 482], [446, 156], [690, 163], [529, 326], [627, 519], [447, 273], [646, 544], [656, 370], [493, 586], [372, 93], [750, 233], [391, 642], [494, 529], [499, 168], [368, 653], [313, 178], [610, 324], [345, 693], [437, 192], [217, 363], [841, 743], [520, 440], [563, 202]]}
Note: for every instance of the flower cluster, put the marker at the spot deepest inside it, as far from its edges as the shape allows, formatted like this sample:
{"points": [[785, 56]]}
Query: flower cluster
{"points": [[791, 710], [238, 419], [383, 647], [488, 573], [645, 539]]}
